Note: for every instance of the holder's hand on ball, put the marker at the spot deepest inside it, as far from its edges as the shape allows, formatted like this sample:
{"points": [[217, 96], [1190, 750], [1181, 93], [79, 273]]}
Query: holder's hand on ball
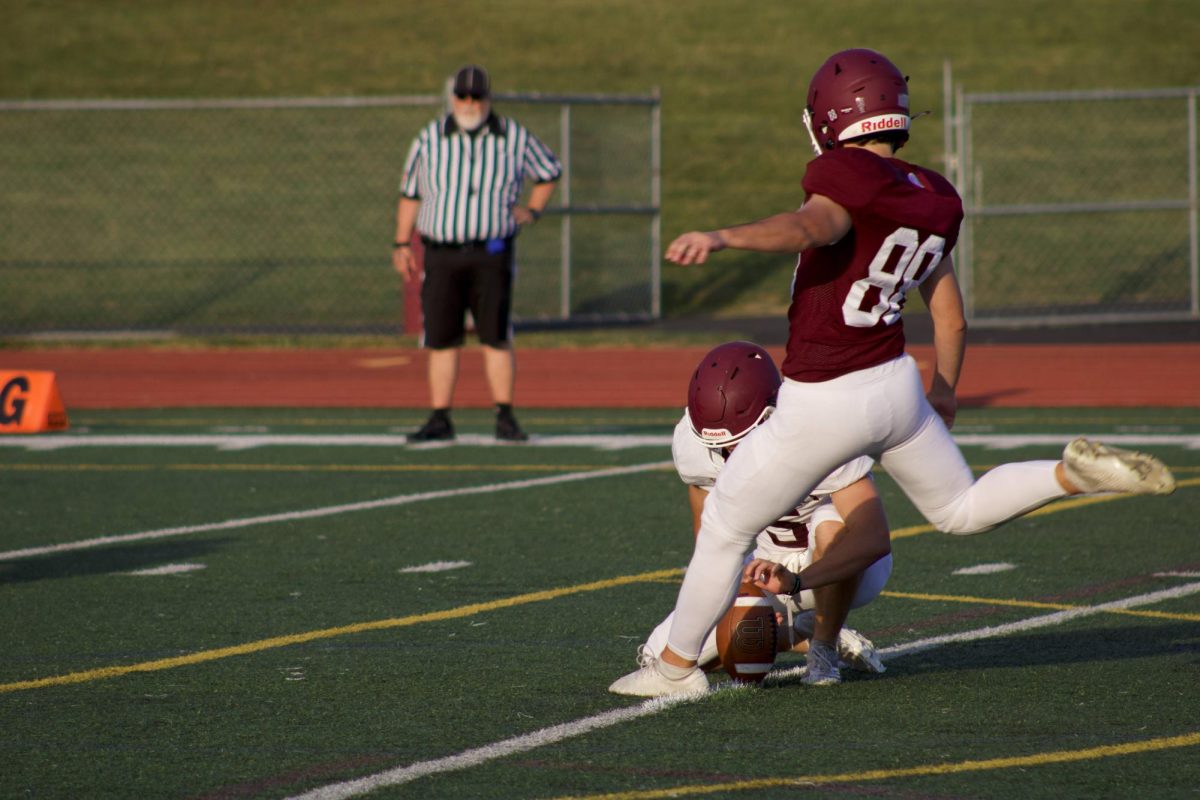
{"points": [[769, 576]]}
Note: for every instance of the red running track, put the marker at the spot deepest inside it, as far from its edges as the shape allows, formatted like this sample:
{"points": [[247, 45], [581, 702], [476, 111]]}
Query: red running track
{"points": [[993, 376]]}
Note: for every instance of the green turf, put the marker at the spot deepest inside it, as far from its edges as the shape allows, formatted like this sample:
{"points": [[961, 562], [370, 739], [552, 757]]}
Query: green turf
{"points": [[279, 720]]}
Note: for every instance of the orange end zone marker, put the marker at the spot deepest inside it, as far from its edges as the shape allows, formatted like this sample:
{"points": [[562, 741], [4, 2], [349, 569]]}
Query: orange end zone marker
{"points": [[30, 402]]}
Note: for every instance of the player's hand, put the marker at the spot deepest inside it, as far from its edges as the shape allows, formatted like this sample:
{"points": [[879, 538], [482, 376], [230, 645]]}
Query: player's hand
{"points": [[769, 576], [405, 264], [694, 247], [944, 402]]}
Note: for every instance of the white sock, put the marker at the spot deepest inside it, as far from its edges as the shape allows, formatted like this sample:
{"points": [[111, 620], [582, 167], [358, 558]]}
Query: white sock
{"points": [[671, 671]]}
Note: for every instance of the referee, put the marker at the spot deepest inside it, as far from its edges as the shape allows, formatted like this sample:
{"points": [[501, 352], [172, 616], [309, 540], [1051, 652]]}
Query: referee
{"points": [[462, 180]]}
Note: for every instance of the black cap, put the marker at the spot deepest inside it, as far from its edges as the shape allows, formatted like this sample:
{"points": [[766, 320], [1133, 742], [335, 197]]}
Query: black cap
{"points": [[472, 80]]}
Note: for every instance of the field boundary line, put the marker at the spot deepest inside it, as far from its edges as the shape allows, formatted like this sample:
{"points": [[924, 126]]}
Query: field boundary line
{"points": [[247, 441], [328, 511], [274, 642], [556, 733]]}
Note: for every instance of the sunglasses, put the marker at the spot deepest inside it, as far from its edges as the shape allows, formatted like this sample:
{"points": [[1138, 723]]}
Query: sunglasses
{"points": [[472, 95]]}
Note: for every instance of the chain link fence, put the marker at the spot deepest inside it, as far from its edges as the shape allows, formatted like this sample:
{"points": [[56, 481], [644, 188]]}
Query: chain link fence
{"points": [[1081, 206], [278, 215]]}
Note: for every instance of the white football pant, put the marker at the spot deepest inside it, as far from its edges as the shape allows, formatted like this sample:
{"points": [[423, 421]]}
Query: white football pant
{"points": [[880, 412]]}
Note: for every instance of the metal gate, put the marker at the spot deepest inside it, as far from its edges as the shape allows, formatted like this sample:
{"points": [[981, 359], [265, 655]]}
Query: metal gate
{"points": [[1080, 206], [276, 215]]}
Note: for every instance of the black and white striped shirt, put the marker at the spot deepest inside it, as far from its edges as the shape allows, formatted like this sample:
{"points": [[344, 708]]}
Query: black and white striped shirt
{"points": [[468, 184]]}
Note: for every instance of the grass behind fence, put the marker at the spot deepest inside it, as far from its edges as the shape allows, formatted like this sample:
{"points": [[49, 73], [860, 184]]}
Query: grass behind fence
{"points": [[731, 77]]}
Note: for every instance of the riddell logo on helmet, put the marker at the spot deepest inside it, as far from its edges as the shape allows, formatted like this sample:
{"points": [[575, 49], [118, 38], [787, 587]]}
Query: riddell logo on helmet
{"points": [[885, 124], [714, 434], [877, 124]]}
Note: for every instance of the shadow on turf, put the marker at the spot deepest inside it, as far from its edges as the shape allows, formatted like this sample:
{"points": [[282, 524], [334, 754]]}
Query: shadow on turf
{"points": [[106, 561], [1057, 648]]}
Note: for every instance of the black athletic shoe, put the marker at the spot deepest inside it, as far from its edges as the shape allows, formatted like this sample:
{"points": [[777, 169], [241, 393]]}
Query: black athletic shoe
{"points": [[435, 429], [507, 430]]}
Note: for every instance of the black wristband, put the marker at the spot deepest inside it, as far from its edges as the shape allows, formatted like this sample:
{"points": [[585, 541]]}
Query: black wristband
{"points": [[400, 245], [536, 214], [798, 586]]}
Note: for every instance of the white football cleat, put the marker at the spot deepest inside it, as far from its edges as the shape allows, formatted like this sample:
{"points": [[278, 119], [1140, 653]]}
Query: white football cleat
{"points": [[858, 652], [649, 682], [645, 657], [1095, 467], [821, 666]]}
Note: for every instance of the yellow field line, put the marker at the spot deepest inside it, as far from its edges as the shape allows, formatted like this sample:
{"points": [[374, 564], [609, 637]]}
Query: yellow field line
{"points": [[466, 611], [993, 601], [329, 633], [982, 765]]}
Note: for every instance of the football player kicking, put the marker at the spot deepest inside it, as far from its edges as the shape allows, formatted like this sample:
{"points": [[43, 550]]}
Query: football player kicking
{"points": [[871, 229], [731, 392]]}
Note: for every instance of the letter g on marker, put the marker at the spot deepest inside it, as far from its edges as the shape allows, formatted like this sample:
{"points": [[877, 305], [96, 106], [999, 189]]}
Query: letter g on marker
{"points": [[12, 404]]}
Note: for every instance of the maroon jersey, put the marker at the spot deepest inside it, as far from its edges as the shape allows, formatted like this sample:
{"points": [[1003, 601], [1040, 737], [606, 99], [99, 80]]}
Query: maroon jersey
{"points": [[847, 297]]}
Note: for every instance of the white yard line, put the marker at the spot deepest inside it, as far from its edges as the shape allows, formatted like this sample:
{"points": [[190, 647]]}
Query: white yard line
{"points": [[481, 755], [996, 441], [436, 566], [985, 569], [252, 440], [557, 733], [328, 511], [166, 569], [1057, 618]]}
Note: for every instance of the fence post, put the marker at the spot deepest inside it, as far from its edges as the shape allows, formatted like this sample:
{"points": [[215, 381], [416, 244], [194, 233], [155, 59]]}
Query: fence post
{"points": [[564, 301], [1193, 207]]}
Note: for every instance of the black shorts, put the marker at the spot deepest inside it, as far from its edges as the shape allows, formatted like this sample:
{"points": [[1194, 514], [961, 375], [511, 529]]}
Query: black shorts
{"points": [[461, 278]]}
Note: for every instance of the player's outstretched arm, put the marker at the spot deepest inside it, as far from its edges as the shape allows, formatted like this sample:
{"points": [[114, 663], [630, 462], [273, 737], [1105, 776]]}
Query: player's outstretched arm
{"points": [[693, 247], [819, 222]]}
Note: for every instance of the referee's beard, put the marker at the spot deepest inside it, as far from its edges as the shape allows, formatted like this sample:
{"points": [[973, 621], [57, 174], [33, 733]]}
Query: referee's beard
{"points": [[471, 117]]}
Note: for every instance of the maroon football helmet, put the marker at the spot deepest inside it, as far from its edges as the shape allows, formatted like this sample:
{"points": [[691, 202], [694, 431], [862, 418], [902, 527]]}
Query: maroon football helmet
{"points": [[732, 391], [856, 93]]}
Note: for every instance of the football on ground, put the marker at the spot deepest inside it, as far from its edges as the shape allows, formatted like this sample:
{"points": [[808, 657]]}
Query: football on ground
{"points": [[746, 635]]}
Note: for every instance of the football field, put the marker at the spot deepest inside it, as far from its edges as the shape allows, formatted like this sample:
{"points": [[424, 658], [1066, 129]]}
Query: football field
{"points": [[229, 603]]}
